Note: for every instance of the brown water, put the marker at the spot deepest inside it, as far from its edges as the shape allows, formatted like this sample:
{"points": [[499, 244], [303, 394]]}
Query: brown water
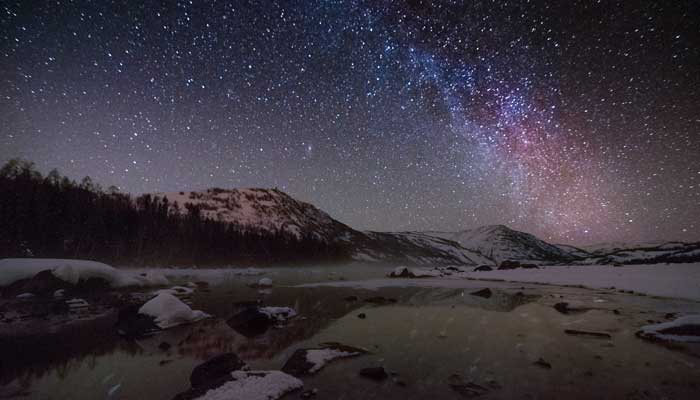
{"points": [[428, 335]]}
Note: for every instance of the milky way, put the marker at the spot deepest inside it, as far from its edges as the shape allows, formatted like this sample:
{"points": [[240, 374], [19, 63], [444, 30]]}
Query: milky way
{"points": [[577, 121]]}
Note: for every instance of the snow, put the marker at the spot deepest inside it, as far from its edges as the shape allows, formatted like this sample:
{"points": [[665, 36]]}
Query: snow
{"points": [[654, 331], [72, 271], [672, 280], [320, 357], [169, 311], [278, 313], [255, 385], [25, 295]]}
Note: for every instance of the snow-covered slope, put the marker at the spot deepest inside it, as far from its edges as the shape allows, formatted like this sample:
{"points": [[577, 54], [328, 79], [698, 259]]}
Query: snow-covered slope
{"points": [[260, 209], [500, 243]]}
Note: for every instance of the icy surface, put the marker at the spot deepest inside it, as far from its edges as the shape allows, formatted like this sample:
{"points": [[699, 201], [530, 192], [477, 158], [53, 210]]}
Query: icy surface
{"points": [[255, 385], [655, 331], [320, 357], [169, 311]]}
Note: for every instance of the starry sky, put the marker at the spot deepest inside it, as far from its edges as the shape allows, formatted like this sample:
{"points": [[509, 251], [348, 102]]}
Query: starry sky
{"points": [[578, 121]]}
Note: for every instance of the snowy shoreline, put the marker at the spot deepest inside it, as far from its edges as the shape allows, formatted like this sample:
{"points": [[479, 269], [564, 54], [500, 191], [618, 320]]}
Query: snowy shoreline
{"points": [[680, 281]]}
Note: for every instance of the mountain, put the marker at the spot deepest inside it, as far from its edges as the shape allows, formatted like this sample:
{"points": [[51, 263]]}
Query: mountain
{"points": [[500, 243], [271, 210], [268, 210], [642, 253]]}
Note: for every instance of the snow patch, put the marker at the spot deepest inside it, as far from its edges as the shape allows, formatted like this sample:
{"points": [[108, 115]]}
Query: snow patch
{"points": [[279, 314], [169, 311], [255, 385], [674, 331], [320, 357]]}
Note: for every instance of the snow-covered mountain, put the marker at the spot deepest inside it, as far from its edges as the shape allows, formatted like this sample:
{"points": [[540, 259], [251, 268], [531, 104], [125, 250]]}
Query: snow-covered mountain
{"points": [[260, 209], [274, 211], [500, 243], [642, 253]]}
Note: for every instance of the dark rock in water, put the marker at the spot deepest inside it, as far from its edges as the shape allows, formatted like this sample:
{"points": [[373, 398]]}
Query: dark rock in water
{"points": [[616, 312], [587, 333], [465, 388], [214, 369], [352, 298], [164, 362], [361, 315], [374, 373], [380, 300], [134, 325], [164, 346], [485, 293], [509, 264], [298, 365], [44, 283], [250, 322], [210, 375], [542, 363], [670, 315], [564, 308], [483, 268], [401, 272]]}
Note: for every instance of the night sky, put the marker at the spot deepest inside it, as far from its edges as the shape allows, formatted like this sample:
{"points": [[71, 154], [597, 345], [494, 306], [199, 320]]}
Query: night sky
{"points": [[578, 121]]}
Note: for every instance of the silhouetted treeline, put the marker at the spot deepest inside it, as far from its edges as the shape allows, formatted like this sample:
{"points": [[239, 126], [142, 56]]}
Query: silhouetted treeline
{"points": [[53, 216]]}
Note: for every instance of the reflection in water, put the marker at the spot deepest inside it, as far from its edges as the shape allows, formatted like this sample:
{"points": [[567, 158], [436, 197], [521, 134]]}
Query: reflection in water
{"points": [[427, 336]]}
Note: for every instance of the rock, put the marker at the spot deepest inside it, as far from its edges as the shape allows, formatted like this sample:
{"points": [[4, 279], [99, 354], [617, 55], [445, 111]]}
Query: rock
{"points": [[465, 388], [542, 363], [351, 298], [564, 308], [509, 264], [132, 324], [401, 272], [483, 268], [361, 316], [529, 266], [92, 286], [374, 373], [587, 333], [309, 361], [164, 346], [307, 394], [485, 293], [379, 300], [44, 283], [251, 322], [213, 371]]}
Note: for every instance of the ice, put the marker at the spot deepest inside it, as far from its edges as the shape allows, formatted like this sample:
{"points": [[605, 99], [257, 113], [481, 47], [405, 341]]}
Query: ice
{"points": [[255, 385], [169, 311]]}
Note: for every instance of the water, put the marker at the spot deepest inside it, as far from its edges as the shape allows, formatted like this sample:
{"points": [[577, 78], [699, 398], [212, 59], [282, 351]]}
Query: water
{"points": [[429, 338]]}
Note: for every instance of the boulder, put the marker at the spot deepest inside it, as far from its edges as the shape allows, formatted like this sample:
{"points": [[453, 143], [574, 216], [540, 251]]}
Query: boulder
{"points": [[309, 361], [44, 283], [481, 268], [251, 322], [211, 372], [132, 324]]}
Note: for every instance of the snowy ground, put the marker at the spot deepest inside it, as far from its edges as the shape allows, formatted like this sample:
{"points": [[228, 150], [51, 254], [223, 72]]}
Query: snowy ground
{"points": [[664, 280]]}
